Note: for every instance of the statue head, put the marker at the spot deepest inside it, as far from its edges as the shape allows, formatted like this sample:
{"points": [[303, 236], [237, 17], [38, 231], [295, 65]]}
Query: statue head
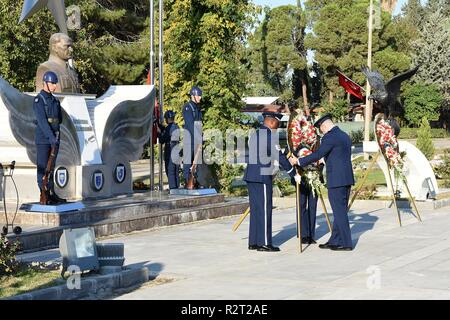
{"points": [[61, 46]]}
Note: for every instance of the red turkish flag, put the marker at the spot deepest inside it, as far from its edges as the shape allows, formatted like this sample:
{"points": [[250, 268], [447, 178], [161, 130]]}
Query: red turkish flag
{"points": [[350, 86]]}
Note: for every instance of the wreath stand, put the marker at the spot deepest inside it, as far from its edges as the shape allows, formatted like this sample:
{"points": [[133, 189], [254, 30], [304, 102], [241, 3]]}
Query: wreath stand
{"points": [[394, 198]]}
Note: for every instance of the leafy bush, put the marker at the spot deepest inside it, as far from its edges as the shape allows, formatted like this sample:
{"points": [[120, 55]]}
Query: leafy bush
{"points": [[422, 100], [411, 133], [338, 109], [424, 141], [284, 184], [367, 192], [357, 136], [8, 250], [442, 171]]}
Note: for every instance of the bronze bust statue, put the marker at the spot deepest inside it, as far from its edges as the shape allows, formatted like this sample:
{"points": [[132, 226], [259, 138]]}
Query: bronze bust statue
{"points": [[60, 53]]}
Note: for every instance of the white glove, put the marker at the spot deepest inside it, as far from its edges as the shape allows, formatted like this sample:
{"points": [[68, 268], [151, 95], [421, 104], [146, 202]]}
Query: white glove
{"points": [[297, 178]]}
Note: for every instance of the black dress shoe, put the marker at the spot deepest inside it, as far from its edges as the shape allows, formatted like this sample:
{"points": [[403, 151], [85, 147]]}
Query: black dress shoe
{"points": [[268, 248], [340, 248], [312, 241], [326, 246], [305, 240], [253, 247]]}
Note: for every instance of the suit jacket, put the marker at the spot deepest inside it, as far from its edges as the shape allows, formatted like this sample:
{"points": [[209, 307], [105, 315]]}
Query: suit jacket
{"points": [[262, 155], [336, 149]]}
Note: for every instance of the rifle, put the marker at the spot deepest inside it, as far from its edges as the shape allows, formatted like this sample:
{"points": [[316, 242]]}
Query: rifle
{"points": [[192, 181], [48, 170]]}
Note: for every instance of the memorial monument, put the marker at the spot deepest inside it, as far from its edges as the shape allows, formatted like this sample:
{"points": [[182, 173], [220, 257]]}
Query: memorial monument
{"points": [[99, 137]]}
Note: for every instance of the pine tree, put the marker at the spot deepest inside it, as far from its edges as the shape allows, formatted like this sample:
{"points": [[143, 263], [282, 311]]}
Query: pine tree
{"points": [[339, 40], [424, 140], [277, 51], [432, 52]]}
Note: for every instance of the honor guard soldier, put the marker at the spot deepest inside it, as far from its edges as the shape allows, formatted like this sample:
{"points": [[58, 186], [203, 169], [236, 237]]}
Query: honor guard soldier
{"points": [[263, 154], [335, 148], [192, 139], [169, 135], [47, 110]]}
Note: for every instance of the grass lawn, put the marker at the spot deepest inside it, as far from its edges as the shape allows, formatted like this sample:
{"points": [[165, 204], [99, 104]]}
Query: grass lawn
{"points": [[28, 279], [376, 176]]}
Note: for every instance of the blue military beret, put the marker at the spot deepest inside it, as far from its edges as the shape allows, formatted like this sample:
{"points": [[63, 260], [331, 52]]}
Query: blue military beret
{"points": [[275, 115], [326, 116]]}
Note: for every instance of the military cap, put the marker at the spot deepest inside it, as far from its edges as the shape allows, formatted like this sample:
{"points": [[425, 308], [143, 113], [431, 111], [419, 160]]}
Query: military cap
{"points": [[275, 115], [322, 119]]}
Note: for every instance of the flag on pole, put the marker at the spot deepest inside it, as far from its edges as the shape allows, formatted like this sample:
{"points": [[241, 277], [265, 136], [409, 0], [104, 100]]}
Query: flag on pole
{"points": [[350, 86]]}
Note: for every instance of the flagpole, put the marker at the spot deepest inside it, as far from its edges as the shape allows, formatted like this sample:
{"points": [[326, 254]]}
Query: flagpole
{"points": [[152, 82], [368, 107], [161, 88]]}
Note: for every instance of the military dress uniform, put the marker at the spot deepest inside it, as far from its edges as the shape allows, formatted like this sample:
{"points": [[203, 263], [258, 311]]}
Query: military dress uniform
{"points": [[193, 129], [335, 148], [47, 110], [170, 139], [259, 178], [308, 206]]}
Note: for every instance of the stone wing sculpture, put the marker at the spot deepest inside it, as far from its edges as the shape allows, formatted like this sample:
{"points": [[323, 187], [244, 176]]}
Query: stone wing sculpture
{"points": [[122, 120], [22, 124]]}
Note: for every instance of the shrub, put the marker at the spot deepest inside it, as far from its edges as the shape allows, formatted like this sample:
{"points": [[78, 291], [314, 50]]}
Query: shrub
{"points": [[424, 141], [357, 136], [422, 100], [8, 250], [411, 133], [338, 109], [442, 171], [367, 192]]}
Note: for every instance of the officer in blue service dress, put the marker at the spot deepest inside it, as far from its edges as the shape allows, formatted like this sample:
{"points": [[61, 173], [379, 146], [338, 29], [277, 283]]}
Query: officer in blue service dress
{"points": [[335, 148], [308, 205], [47, 110], [263, 153], [192, 136], [169, 136]]}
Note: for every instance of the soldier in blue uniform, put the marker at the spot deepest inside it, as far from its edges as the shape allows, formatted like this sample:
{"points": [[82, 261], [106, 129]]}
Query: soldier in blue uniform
{"points": [[47, 110], [259, 176], [335, 148], [192, 136], [308, 205], [169, 135]]}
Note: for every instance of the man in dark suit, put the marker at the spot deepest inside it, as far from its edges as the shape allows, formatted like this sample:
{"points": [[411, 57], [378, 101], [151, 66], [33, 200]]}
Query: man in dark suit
{"points": [[263, 154], [335, 148]]}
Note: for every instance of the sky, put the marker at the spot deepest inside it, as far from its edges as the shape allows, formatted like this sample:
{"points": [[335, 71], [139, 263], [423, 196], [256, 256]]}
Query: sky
{"points": [[276, 3]]}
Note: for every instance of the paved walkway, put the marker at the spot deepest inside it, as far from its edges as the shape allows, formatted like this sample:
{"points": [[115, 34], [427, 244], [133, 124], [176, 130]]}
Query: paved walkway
{"points": [[206, 260]]}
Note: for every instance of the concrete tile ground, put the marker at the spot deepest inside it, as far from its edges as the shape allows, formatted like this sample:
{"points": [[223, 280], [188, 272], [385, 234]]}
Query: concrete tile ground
{"points": [[206, 260]]}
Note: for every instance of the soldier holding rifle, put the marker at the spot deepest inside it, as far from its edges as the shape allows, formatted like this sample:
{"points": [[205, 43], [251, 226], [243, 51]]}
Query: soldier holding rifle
{"points": [[47, 110]]}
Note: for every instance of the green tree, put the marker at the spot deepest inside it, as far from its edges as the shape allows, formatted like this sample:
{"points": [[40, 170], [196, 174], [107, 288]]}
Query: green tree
{"points": [[22, 46], [432, 51], [338, 109], [112, 45], [421, 100], [339, 40], [108, 49], [424, 141], [278, 53]]}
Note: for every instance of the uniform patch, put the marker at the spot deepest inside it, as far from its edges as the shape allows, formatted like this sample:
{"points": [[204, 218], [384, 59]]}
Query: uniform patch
{"points": [[36, 99]]}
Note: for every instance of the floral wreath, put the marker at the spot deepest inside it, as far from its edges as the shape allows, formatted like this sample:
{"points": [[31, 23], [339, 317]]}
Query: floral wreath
{"points": [[389, 147], [303, 138]]}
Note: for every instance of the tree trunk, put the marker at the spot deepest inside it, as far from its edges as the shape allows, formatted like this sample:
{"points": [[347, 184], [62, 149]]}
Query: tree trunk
{"points": [[305, 94]]}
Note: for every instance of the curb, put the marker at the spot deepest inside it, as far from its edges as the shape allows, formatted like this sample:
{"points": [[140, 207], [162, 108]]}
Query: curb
{"points": [[95, 287], [287, 202]]}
